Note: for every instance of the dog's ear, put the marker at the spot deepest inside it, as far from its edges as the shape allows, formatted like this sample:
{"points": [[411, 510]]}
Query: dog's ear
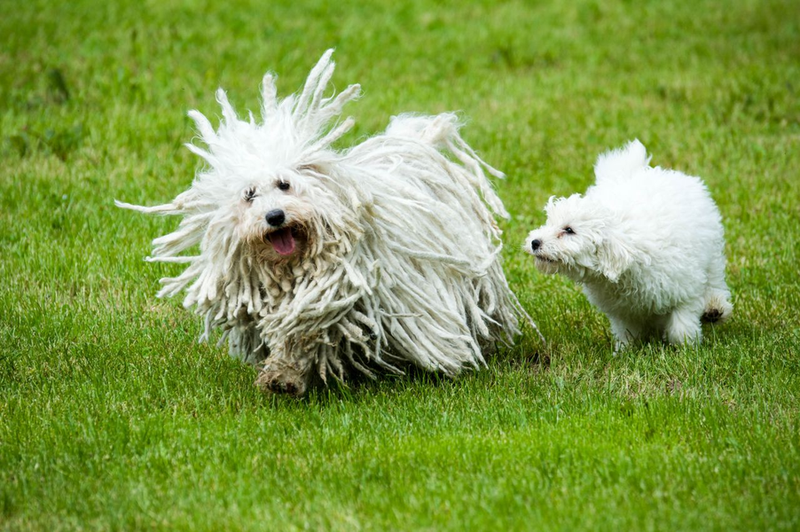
{"points": [[614, 256], [314, 169]]}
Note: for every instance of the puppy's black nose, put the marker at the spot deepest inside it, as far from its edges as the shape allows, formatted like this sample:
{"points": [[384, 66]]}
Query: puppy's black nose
{"points": [[275, 217], [535, 244]]}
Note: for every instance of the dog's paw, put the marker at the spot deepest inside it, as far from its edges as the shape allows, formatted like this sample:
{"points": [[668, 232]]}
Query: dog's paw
{"points": [[284, 381]]}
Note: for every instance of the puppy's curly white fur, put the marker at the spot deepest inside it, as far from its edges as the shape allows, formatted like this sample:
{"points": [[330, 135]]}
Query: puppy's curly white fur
{"points": [[646, 244], [312, 259]]}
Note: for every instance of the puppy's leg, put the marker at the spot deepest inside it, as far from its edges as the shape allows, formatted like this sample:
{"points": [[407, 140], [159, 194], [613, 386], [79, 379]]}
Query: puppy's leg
{"points": [[625, 331], [683, 326], [717, 306], [283, 374]]}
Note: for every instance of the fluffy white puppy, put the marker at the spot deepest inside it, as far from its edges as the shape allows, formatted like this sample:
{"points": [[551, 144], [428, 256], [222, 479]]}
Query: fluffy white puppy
{"points": [[646, 244]]}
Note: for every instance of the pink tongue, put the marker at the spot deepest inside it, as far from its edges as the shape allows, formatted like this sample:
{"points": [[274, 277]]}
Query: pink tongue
{"points": [[283, 241]]}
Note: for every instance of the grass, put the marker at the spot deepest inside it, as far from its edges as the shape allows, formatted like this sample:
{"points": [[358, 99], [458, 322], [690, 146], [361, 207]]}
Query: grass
{"points": [[113, 417]]}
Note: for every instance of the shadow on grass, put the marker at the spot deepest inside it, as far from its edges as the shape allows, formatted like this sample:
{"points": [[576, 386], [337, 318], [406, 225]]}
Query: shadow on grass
{"points": [[525, 360], [359, 388]]}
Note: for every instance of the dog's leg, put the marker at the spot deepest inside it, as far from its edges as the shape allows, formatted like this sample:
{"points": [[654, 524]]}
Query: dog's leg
{"points": [[282, 374], [246, 344], [683, 326]]}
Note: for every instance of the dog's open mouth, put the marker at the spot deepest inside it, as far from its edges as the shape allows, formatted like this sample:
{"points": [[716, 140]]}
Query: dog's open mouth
{"points": [[543, 258], [283, 240]]}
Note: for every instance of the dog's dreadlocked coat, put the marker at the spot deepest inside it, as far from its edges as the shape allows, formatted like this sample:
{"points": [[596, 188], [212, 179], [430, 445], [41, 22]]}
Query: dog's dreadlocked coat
{"points": [[313, 260]]}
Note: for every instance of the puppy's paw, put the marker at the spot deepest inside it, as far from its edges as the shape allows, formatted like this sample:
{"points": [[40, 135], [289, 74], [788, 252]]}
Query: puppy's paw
{"points": [[718, 309], [712, 315]]}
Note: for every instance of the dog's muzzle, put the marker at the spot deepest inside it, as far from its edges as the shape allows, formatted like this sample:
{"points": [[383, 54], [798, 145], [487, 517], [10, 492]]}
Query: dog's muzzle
{"points": [[275, 217], [282, 240]]}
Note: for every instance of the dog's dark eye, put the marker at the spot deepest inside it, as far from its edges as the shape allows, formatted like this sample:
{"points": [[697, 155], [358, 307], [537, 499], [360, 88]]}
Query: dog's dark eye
{"points": [[249, 194], [283, 185], [569, 230]]}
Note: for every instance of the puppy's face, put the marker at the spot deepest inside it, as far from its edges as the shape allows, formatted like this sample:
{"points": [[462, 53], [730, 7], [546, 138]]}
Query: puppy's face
{"points": [[578, 239]]}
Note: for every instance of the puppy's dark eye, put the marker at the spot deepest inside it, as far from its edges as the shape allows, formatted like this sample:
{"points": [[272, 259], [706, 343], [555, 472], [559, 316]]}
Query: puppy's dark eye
{"points": [[249, 194], [569, 230], [284, 185]]}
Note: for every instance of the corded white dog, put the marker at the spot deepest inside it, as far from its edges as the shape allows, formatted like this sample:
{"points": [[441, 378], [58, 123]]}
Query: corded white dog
{"points": [[646, 244], [312, 260]]}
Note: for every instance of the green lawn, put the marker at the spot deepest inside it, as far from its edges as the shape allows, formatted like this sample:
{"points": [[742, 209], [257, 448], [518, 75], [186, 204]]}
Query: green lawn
{"points": [[113, 417]]}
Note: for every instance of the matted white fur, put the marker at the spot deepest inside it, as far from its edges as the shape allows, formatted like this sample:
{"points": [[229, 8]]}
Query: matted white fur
{"points": [[646, 244], [316, 259]]}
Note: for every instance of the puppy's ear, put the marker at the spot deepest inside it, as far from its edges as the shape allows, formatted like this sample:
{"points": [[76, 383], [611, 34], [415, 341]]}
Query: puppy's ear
{"points": [[614, 256]]}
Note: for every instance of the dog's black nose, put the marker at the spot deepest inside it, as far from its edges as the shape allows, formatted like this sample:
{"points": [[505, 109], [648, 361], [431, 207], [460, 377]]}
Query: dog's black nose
{"points": [[535, 244], [275, 217]]}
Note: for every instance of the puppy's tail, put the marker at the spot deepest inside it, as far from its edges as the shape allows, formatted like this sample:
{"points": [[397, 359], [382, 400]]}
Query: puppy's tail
{"points": [[621, 164], [718, 307]]}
